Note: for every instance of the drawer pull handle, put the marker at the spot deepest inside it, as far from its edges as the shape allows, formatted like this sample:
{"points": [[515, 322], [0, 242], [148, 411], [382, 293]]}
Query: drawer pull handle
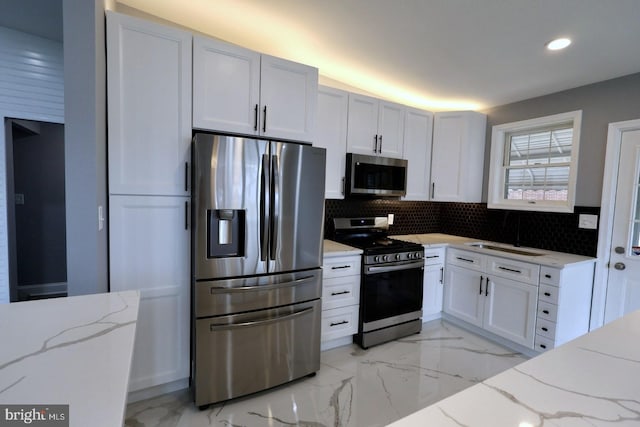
{"points": [[543, 346], [441, 274], [481, 279], [547, 294], [545, 329], [432, 256], [338, 323], [464, 259], [340, 267], [340, 293], [512, 270], [548, 276], [545, 311]]}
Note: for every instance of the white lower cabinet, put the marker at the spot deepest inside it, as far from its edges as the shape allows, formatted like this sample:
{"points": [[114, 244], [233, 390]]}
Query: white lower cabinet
{"points": [[478, 292], [149, 251], [432, 291], [340, 299]]}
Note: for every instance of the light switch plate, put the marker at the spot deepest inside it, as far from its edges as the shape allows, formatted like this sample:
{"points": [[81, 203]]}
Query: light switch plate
{"points": [[390, 219], [588, 221]]}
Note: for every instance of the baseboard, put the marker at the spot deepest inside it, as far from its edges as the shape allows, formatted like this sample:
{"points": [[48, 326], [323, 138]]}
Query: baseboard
{"points": [[430, 317], [155, 391], [338, 342]]}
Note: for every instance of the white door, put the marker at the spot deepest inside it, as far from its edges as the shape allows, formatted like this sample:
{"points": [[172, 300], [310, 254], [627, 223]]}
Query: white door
{"points": [[362, 125], [390, 129], [462, 297], [331, 134], [226, 87], [623, 288], [288, 98], [432, 291], [417, 151], [447, 152]]}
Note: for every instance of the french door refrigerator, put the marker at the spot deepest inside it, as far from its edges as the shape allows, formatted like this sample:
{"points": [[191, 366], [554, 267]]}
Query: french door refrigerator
{"points": [[258, 212]]}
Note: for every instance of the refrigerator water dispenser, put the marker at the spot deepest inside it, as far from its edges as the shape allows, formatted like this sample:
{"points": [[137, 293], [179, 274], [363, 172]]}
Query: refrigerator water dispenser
{"points": [[226, 233]]}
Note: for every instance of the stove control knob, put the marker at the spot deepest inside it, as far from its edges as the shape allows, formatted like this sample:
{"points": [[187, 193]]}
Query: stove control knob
{"points": [[409, 255], [418, 255], [376, 258], [385, 258], [398, 257]]}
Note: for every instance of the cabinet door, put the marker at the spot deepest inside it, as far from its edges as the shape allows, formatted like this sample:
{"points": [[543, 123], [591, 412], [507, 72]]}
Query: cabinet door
{"points": [[462, 297], [510, 310], [391, 129], [331, 133], [149, 106], [362, 125], [288, 98], [432, 291], [417, 151], [149, 251], [226, 87]]}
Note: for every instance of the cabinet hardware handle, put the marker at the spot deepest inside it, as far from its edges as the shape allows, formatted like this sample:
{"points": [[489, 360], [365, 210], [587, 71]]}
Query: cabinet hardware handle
{"points": [[441, 274], [545, 311], [186, 215], [432, 256], [464, 259], [255, 118], [543, 346], [512, 270], [481, 279], [340, 267], [380, 147], [375, 143], [264, 119], [547, 294], [486, 287], [545, 329], [343, 184], [338, 323], [548, 276], [340, 293], [186, 176], [433, 190]]}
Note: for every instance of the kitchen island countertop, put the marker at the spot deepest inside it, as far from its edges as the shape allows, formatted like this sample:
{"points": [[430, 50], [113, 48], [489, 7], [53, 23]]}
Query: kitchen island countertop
{"points": [[590, 381], [72, 351]]}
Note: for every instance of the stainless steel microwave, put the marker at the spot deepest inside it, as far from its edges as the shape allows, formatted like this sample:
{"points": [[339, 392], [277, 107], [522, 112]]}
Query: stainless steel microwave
{"points": [[375, 176]]}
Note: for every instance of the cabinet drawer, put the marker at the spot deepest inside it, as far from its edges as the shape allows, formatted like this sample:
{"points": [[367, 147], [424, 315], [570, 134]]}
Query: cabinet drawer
{"points": [[465, 259], [547, 311], [550, 276], [543, 343], [512, 269], [339, 322], [341, 266], [548, 293], [340, 292], [546, 328], [433, 256]]}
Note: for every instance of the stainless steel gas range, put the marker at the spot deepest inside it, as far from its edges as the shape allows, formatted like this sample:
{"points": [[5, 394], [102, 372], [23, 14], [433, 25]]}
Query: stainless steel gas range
{"points": [[391, 281]]}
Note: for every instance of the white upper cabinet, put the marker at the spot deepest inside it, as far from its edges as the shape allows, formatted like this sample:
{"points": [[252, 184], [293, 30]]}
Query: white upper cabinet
{"points": [[457, 161], [149, 108], [418, 126], [240, 91], [331, 134], [375, 127]]}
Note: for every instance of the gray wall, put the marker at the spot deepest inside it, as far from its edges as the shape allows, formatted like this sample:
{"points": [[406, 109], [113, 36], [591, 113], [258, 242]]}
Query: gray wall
{"points": [[601, 103], [85, 129]]}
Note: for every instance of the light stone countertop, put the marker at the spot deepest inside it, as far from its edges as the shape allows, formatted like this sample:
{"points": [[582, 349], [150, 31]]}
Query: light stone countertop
{"points": [[334, 249], [72, 351], [590, 381]]}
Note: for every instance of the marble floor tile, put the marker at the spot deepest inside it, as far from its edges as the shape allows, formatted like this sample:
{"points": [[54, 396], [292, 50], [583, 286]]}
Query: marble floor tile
{"points": [[354, 387]]}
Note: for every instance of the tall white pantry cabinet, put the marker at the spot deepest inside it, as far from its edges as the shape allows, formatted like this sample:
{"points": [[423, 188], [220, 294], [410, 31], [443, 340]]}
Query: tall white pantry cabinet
{"points": [[149, 128]]}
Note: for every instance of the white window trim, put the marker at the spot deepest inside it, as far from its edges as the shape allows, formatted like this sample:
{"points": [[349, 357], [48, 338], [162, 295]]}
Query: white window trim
{"points": [[496, 199]]}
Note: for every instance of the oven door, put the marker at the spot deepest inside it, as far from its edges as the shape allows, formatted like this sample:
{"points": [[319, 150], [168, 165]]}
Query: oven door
{"points": [[390, 291]]}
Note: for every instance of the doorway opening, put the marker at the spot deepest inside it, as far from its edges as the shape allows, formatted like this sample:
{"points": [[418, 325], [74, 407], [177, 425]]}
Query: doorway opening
{"points": [[36, 211]]}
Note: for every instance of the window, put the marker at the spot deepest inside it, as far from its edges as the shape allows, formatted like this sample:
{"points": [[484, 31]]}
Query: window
{"points": [[534, 163]]}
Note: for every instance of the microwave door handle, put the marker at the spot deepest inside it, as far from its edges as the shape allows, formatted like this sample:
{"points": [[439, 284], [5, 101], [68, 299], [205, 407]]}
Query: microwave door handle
{"points": [[264, 208], [275, 206]]}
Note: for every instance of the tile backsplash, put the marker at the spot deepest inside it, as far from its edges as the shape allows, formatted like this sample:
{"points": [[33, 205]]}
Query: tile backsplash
{"points": [[544, 230]]}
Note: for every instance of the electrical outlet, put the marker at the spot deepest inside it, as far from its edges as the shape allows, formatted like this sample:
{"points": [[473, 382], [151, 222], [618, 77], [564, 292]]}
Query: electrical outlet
{"points": [[19, 197], [588, 221], [390, 219]]}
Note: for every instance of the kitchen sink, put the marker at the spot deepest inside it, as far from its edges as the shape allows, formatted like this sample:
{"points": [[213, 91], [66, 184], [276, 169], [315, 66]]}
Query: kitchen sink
{"points": [[505, 249]]}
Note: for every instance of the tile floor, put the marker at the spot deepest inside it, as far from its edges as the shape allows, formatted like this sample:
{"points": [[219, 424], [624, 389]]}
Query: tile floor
{"points": [[354, 387]]}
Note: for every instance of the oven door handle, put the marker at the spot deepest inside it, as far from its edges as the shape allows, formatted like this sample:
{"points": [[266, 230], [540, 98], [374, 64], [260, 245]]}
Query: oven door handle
{"points": [[373, 269]]}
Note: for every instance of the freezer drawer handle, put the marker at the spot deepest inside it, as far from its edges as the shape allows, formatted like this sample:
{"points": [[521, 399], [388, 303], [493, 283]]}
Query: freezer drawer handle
{"points": [[223, 290], [344, 322], [340, 293], [214, 327]]}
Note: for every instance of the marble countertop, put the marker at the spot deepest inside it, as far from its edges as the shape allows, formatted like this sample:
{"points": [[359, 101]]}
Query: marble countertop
{"points": [[72, 351], [332, 248], [590, 381]]}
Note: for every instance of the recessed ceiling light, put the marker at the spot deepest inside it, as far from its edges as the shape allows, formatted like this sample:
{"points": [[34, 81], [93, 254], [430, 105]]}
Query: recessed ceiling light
{"points": [[558, 44]]}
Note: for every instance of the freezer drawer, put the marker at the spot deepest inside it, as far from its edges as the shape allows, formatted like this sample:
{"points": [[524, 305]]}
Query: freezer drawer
{"points": [[245, 353], [222, 297]]}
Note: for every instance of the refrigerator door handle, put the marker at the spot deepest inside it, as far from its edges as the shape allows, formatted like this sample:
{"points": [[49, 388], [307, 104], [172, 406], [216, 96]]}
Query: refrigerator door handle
{"points": [[275, 206], [265, 207]]}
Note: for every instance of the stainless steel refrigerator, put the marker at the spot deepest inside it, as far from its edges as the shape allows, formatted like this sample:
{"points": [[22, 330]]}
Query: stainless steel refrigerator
{"points": [[258, 209]]}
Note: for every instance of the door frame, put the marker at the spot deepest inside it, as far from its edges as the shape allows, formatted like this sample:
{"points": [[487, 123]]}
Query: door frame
{"points": [[607, 208]]}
